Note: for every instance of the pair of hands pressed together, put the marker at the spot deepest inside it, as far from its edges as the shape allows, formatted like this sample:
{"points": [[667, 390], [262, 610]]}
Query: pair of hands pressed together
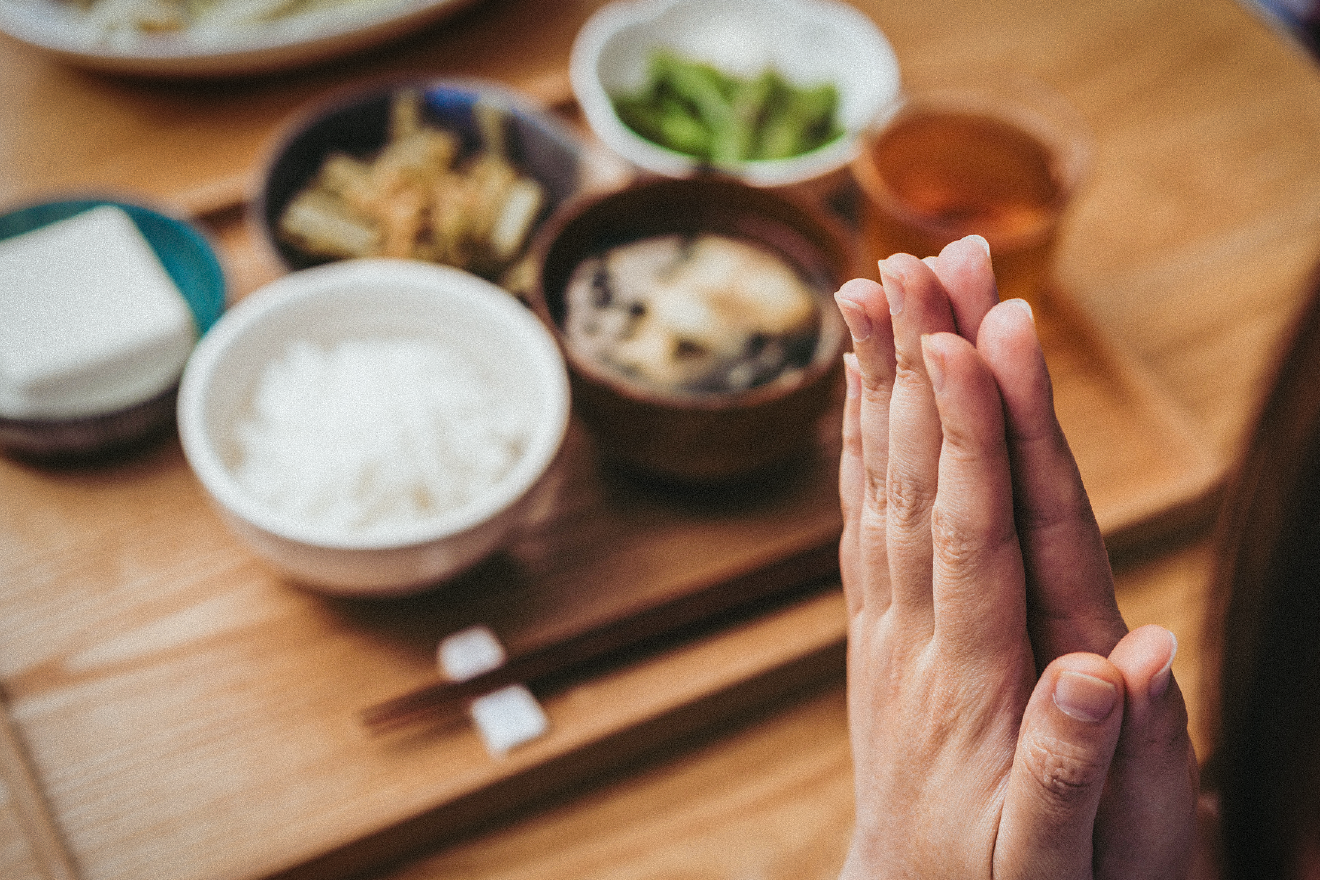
{"points": [[1004, 722]]}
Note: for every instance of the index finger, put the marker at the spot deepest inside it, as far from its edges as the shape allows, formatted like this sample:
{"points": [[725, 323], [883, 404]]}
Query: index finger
{"points": [[979, 596]]}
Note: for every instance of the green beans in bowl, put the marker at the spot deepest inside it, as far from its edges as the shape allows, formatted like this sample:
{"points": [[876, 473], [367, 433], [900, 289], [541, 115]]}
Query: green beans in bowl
{"points": [[774, 93]]}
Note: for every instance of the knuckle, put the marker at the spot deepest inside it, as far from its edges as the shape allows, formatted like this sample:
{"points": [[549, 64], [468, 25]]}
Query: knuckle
{"points": [[954, 541], [908, 369], [1067, 504], [908, 501], [962, 546], [1063, 514], [875, 490], [964, 441], [1065, 772]]}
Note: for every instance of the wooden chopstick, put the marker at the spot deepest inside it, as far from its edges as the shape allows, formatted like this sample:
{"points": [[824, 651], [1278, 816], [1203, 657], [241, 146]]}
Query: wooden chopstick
{"points": [[446, 698], [48, 849]]}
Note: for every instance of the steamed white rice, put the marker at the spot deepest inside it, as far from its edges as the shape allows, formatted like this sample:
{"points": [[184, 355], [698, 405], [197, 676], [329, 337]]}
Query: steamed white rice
{"points": [[373, 433]]}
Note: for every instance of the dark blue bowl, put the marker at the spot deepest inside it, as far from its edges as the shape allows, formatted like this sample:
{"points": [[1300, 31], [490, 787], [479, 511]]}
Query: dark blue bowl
{"points": [[191, 263], [536, 143]]}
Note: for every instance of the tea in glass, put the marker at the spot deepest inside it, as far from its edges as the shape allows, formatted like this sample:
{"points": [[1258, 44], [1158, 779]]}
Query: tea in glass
{"points": [[1003, 165]]}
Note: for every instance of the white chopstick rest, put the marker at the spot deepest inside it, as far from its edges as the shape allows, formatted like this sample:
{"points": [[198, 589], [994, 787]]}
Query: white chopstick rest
{"points": [[505, 718], [470, 652], [508, 717]]}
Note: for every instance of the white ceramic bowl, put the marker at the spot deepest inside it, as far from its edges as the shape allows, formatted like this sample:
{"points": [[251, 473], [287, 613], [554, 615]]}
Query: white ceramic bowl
{"points": [[510, 349], [807, 41]]}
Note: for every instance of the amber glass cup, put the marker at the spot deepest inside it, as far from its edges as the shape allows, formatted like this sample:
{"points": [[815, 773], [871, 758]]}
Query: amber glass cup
{"points": [[987, 155]]}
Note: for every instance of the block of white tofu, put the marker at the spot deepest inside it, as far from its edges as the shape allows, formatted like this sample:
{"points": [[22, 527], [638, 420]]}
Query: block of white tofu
{"points": [[90, 321]]}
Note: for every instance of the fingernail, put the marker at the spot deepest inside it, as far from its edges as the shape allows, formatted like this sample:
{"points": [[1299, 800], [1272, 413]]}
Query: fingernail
{"points": [[1024, 306], [981, 241], [1159, 682], [854, 315], [852, 375], [893, 285], [1084, 697], [934, 359]]}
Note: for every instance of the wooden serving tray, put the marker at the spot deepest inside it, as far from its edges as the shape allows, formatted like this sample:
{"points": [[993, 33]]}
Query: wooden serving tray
{"points": [[176, 711]]}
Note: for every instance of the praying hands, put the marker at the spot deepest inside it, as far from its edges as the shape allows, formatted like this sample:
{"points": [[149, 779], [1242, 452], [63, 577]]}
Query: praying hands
{"points": [[1004, 722]]}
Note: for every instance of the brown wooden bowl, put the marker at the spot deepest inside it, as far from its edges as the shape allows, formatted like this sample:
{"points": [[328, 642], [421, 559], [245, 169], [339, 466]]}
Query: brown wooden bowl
{"points": [[708, 438]]}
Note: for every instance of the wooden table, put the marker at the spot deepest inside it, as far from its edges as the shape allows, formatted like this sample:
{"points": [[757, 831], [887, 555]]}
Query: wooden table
{"points": [[1190, 249]]}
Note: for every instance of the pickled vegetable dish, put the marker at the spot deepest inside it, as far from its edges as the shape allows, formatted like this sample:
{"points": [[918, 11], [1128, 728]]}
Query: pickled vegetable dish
{"points": [[419, 198]]}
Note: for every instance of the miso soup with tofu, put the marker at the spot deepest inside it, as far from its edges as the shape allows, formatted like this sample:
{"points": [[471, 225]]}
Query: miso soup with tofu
{"points": [[704, 314]]}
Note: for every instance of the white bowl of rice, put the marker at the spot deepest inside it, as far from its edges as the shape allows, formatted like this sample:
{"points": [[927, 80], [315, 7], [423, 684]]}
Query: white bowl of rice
{"points": [[375, 426]]}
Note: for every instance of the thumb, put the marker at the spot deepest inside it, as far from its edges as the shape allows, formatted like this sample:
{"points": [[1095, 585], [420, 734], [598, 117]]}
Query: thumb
{"points": [[1147, 820], [1066, 743]]}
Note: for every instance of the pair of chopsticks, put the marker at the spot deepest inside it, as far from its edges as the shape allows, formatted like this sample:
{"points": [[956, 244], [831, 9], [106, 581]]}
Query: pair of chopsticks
{"points": [[448, 699]]}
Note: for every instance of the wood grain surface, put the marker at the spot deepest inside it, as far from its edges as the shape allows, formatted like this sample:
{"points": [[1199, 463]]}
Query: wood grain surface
{"points": [[185, 715]]}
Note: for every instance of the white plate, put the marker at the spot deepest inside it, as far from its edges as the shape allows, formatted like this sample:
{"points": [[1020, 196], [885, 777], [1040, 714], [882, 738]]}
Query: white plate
{"points": [[57, 27]]}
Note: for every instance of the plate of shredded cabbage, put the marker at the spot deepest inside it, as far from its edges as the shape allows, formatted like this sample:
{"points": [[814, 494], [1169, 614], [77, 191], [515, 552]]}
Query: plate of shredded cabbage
{"points": [[211, 38]]}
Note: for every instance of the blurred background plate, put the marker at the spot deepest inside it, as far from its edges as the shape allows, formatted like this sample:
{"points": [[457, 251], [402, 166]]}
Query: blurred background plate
{"points": [[59, 28]]}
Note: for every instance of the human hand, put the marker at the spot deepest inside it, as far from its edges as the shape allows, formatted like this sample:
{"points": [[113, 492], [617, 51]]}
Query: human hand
{"points": [[990, 672]]}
